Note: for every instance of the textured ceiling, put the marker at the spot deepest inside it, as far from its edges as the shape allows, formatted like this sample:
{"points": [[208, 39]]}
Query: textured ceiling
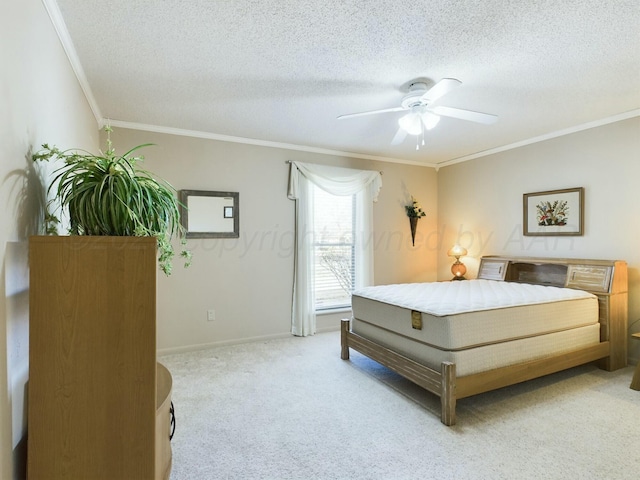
{"points": [[282, 71]]}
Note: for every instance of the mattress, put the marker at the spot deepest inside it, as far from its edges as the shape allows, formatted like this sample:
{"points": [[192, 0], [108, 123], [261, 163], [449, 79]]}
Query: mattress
{"points": [[471, 314], [486, 357]]}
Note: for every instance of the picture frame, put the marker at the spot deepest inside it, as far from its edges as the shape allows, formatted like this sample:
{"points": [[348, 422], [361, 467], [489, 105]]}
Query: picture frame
{"points": [[228, 212], [554, 212]]}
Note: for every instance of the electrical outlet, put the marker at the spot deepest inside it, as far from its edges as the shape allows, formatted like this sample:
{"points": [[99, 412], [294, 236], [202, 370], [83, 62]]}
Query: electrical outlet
{"points": [[211, 315]]}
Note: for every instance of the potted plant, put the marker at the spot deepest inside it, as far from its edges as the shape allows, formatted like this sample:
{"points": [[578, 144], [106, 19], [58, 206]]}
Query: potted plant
{"points": [[109, 194]]}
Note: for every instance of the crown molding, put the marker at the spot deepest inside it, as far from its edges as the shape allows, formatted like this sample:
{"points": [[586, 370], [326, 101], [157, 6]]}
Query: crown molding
{"points": [[67, 44], [324, 151], [542, 138], [252, 141]]}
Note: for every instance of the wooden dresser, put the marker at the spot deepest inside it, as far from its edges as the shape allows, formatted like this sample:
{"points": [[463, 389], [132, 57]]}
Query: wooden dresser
{"points": [[98, 401]]}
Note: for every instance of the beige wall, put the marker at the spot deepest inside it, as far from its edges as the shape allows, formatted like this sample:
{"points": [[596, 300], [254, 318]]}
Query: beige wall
{"points": [[480, 201], [248, 281], [41, 101]]}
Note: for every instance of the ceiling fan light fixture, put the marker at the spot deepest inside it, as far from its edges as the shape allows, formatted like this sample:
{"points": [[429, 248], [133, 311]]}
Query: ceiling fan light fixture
{"points": [[411, 123], [430, 120]]}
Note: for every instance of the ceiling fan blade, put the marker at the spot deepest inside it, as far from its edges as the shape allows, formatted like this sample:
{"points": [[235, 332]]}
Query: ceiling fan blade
{"points": [[399, 137], [351, 115], [477, 117], [441, 88]]}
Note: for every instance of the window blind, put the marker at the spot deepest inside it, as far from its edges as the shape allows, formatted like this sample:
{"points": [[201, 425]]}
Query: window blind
{"points": [[333, 249]]}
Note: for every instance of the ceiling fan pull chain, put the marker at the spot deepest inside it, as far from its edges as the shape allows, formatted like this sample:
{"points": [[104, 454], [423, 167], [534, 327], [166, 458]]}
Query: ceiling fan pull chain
{"points": [[421, 135]]}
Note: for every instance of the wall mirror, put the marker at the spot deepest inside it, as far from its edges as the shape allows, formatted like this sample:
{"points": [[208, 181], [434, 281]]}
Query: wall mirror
{"points": [[206, 214]]}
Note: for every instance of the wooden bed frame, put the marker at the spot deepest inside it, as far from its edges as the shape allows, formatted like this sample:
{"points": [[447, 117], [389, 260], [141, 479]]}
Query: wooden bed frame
{"points": [[605, 279]]}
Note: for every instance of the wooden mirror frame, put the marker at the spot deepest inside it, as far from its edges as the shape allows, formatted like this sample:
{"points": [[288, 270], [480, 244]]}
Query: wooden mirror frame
{"points": [[184, 213]]}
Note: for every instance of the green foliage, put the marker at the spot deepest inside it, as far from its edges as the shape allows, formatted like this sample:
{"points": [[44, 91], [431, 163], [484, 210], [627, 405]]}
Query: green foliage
{"points": [[109, 194]]}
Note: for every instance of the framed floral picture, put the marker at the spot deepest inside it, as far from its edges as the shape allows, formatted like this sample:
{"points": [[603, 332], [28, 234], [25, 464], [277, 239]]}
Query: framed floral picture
{"points": [[554, 213]]}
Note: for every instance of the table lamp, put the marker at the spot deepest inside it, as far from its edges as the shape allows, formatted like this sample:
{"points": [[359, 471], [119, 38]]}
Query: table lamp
{"points": [[458, 269]]}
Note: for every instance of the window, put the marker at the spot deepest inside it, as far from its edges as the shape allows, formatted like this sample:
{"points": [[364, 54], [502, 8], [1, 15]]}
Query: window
{"points": [[334, 249], [338, 218]]}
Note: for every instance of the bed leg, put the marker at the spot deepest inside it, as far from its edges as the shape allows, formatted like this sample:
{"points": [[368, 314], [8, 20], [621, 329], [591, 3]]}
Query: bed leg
{"points": [[344, 329], [448, 395]]}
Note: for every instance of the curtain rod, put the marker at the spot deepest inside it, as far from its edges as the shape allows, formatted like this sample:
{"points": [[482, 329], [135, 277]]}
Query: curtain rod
{"points": [[290, 161]]}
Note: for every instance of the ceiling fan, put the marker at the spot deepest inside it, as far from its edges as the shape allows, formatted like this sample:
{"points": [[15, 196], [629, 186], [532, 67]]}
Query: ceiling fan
{"points": [[422, 115]]}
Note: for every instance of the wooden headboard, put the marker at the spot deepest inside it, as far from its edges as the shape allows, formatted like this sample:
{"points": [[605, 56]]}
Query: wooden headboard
{"points": [[606, 279]]}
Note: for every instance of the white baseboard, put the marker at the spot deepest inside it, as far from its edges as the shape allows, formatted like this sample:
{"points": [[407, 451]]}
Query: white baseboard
{"points": [[238, 341], [204, 346]]}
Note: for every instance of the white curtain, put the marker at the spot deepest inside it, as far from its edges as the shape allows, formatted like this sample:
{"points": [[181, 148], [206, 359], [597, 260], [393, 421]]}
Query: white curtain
{"points": [[365, 184]]}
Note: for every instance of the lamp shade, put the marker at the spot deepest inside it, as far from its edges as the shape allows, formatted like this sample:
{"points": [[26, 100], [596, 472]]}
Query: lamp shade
{"points": [[457, 251], [430, 120], [418, 117], [410, 123]]}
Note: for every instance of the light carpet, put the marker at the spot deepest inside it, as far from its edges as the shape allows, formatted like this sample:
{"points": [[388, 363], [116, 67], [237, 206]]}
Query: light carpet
{"points": [[292, 409]]}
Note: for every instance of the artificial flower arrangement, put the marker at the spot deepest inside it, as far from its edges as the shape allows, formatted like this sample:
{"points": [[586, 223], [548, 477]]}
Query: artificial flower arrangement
{"points": [[414, 210]]}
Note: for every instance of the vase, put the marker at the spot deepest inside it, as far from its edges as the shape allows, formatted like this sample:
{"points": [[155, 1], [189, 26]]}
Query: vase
{"points": [[413, 221]]}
